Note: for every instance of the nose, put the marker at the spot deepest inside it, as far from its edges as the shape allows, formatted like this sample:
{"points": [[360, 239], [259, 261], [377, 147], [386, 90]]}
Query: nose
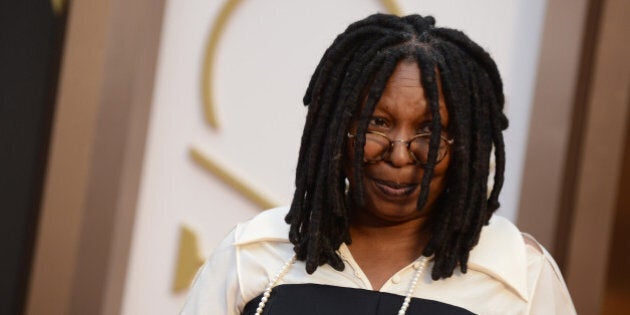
{"points": [[399, 155]]}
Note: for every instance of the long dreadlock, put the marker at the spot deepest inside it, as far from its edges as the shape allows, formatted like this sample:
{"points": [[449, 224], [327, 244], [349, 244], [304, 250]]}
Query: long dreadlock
{"points": [[346, 86]]}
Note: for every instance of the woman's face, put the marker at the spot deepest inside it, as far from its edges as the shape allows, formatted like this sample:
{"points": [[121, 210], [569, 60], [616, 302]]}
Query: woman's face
{"points": [[392, 185]]}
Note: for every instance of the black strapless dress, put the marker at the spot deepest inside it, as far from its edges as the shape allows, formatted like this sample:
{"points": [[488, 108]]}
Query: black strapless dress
{"points": [[315, 299]]}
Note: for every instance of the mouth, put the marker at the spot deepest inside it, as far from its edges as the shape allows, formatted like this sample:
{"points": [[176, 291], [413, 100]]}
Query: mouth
{"points": [[395, 190]]}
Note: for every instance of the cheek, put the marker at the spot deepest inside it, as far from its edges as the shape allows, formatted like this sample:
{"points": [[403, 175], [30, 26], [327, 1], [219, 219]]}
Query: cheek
{"points": [[442, 167]]}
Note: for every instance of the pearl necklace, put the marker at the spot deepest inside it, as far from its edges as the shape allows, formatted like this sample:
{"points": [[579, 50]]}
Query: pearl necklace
{"points": [[420, 264]]}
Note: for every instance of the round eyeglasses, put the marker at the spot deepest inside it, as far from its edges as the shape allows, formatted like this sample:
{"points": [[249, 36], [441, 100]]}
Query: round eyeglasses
{"points": [[378, 145]]}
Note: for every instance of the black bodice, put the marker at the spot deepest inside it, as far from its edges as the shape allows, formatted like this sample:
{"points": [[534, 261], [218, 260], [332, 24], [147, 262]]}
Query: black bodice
{"points": [[315, 299]]}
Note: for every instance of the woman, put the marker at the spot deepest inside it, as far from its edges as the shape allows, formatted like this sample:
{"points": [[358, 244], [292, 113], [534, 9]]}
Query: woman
{"points": [[391, 212]]}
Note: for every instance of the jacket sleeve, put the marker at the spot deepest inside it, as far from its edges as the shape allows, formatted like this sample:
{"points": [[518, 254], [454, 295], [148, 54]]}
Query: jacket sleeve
{"points": [[215, 289]]}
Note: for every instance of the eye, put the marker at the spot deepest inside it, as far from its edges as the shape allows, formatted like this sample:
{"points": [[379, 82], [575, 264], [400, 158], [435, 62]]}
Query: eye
{"points": [[378, 122], [424, 127]]}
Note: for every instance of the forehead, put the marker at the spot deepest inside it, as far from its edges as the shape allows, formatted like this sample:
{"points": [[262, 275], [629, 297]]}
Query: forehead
{"points": [[404, 93], [406, 74]]}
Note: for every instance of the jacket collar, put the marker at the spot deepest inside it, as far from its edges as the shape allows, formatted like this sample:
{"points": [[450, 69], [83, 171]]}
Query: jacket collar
{"points": [[267, 226], [499, 236]]}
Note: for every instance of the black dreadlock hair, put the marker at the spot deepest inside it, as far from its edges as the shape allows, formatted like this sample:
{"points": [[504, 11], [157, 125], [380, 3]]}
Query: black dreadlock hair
{"points": [[346, 86]]}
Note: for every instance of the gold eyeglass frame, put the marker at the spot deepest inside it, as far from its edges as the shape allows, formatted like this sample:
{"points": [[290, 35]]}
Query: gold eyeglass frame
{"points": [[407, 143]]}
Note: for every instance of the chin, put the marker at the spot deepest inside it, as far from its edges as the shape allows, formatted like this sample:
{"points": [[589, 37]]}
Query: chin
{"points": [[394, 213], [391, 210]]}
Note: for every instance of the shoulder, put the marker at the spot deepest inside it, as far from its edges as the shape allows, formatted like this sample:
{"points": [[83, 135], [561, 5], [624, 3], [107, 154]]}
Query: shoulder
{"points": [[239, 266], [501, 253], [508, 255], [261, 245], [515, 259]]}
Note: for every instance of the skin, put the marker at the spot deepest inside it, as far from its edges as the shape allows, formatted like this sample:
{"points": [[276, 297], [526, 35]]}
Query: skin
{"points": [[389, 233]]}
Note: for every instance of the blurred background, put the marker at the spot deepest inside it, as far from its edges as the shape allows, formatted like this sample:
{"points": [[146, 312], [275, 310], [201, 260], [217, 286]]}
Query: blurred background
{"points": [[134, 134]]}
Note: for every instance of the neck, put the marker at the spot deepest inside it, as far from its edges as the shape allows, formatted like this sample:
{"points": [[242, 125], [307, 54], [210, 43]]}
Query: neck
{"points": [[383, 248], [410, 236]]}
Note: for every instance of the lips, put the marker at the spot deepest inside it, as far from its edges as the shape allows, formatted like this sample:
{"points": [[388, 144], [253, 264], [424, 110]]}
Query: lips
{"points": [[395, 190]]}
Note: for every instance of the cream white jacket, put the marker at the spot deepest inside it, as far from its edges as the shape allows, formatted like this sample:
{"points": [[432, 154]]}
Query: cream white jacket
{"points": [[508, 272]]}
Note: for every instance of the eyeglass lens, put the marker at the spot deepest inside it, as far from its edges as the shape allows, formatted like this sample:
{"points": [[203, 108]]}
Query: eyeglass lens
{"points": [[377, 146]]}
